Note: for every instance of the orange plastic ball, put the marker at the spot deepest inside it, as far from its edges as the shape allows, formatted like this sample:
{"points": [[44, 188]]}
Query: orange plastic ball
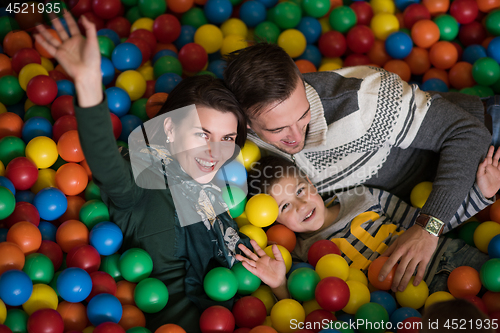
{"points": [[10, 125], [400, 68], [163, 46], [69, 147], [16, 40], [75, 203], [443, 55], [436, 7], [487, 41], [5, 65], [29, 16], [460, 76], [263, 329], [125, 292], [488, 5], [11, 257], [425, 33], [154, 104], [170, 328], [437, 74], [43, 52], [377, 53], [72, 233], [180, 6], [283, 236], [71, 178], [305, 66], [132, 317], [464, 281], [374, 270], [74, 315], [26, 235], [418, 60], [495, 211]]}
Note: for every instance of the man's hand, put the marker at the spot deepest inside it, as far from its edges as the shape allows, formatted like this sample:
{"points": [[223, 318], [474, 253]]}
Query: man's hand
{"points": [[488, 174], [412, 248]]}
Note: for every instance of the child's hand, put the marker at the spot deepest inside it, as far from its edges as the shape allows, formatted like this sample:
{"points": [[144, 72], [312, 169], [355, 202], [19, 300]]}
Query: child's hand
{"points": [[488, 174], [271, 271]]}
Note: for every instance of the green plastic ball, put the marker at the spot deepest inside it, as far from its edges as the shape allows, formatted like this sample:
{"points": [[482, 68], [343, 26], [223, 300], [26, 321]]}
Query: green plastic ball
{"points": [[10, 148], [106, 46], [267, 31], [129, 3], [92, 191], [16, 320], [206, 73], [135, 265], [247, 281], [316, 8], [235, 2], [469, 91], [111, 265], [220, 284], [133, 14], [152, 8], [287, 15], [138, 109], [484, 91], [94, 212], [302, 284], [485, 71], [10, 91], [167, 64], [341, 326], [448, 27], [39, 268], [235, 199], [492, 23], [151, 295], [490, 275], [466, 232], [53, 283], [371, 314], [122, 144], [194, 17], [39, 111], [342, 19], [7, 24], [7, 202], [138, 329], [59, 162]]}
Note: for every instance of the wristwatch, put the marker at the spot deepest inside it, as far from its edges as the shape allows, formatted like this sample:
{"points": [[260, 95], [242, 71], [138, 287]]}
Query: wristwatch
{"points": [[430, 224]]}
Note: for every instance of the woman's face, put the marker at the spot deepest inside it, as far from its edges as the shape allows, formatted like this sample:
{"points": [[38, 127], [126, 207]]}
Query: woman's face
{"points": [[203, 141]]}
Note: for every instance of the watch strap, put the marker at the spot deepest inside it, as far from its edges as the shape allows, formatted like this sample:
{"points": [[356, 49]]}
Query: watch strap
{"points": [[423, 221]]}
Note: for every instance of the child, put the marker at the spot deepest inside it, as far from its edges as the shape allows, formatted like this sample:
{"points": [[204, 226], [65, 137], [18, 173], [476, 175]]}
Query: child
{"points": [[361, 241]]}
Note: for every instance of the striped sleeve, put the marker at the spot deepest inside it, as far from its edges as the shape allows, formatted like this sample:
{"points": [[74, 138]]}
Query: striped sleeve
{"points": [[396, 209]]}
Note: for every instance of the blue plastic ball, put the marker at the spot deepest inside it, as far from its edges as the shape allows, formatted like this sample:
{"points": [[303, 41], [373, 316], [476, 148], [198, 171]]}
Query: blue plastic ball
{"points": [[111, 34], [473, 52], [494, 247], [401, 314], [26, 196], [217, 67], [214, 57], [118, 101], [167, 82], [129, 123], [252, 13], [186, 36], [17, 108], [268, 3], [232, 173], [434, 85], [398, 45], [5, 182], [103, 308], [3, 234], [126, 56], [36, 126], [106, 237], [385, 299], [51, 203], [163, 53], [64, 24], [347, 318], [299, 265], [218, 11], [65, 87], [15, 287], [107, 71], [402, 4], [48, 231], [494, 49], [74, 284], [312, 54], [310, 28]]}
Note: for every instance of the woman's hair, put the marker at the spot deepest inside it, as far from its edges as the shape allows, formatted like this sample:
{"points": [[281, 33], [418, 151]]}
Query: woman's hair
{"points": [[207, 91], [260, 75]]}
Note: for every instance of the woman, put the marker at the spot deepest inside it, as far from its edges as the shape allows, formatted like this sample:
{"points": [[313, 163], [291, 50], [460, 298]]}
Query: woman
{"points": [[182, 251]]}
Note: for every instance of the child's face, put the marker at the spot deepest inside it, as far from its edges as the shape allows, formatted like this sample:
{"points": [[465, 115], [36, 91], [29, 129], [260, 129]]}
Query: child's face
{"points": [[301, 208]]}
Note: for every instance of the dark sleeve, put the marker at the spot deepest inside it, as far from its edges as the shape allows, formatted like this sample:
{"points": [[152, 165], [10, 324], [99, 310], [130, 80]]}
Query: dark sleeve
{"points": [[462, 141], [110, 171]]}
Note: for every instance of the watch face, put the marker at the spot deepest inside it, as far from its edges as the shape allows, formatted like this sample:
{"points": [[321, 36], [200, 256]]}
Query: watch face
{"points": [[434, 226]]}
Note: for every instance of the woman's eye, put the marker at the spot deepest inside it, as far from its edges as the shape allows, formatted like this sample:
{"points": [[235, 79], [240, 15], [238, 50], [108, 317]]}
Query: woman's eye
{"points": [[228, 138], [284, 207], [202, 135]]}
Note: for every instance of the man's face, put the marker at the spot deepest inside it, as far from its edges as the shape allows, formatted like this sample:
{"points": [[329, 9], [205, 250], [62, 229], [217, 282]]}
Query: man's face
{"points": [[284, 124]]}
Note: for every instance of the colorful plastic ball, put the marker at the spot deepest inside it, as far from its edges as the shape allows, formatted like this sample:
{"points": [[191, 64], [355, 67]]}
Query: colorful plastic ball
{"points": [[218, 11], [28, 72], [374, 270], [111, 265], [217, 319], [285, 312], [484, 233], [69, 147], [45, 320], [321, 248], [133, 83], [71, 178], [73, 315], [464, 281], [360, 39], [359, 295], [36, 126], [438, 296], [41, 90], [413, 296], [384, 24], [107, 71], [118, 101], [151, 295], [135, 265], [129, 122], [261, 210], [494, 247], [195, 17], [193, 57], [342, 19], [93, 212], [420, 193], [106, 238], [104, 308], [385, 299], [493, 50], [310, 28], [106, 46], [7, 202], [464, 11], [332, 265], [267, 31], [11, 92], [85, 257], [15, 287], [53, 252], [425, 33], [42, 151], [126, 56], [443, 55], [43, 296], [247, 282], [316, 8], [287, 258], [39, 268], [283, 236], [22, 173], [472, 33], [151, 9], [373, 317], [448, 27], [287, 15], [5, 182], [51, 203], [252, 13], [23, 57], [166, 28], [302, 284], [293, 42], [16, 321], [167, 82], [186, 36], [65, 87], [167, 64], [220, 284], [209, 37], [486, 71], [70, 234], [232, 43], [249, 311], [489, 275], [332, 44], [398, 45], [492, 22], [255, 233], [26, 235]]}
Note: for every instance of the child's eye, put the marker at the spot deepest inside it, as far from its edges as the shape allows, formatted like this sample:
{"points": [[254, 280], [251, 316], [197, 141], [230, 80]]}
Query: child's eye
{"points": [[299, 191], [284, 207]]}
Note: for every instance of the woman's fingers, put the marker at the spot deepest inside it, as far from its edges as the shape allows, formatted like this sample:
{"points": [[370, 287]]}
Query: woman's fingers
{"points": [[90, 31], [60, 29], [49, 39], [70, 21], [49, 48], [496, 157]]}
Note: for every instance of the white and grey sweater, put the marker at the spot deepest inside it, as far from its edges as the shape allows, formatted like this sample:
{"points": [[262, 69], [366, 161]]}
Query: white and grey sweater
{"points": [[370, 127]]}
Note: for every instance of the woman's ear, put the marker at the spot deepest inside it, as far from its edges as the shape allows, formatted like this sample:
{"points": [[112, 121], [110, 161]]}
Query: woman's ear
{"points": [[168, 127]]}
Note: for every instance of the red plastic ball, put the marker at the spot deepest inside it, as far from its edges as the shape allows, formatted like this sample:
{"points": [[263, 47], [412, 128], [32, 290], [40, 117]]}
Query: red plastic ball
{"points": [[58, 75], [356, 59], [413, 13], [45, 321], [363, 11], [321, 248], [117, 125], [23, 57], [24, 211], [472, 33], [22, 173], [193, 57], [478, 302], [147, 36], [249, 311], [42, 89], [332, 293], [464, 11], [62, 106], [332, 44], [217, 319], [102, 283], [120, 25], [143, 46], [53, 252], [317, 318], [63, 125], [150, 90], [106, 9], [5, 329], [85, 257], [78, 7], [492, 301], [360, 39], [408, 325], [108, 327], [166, 28]]}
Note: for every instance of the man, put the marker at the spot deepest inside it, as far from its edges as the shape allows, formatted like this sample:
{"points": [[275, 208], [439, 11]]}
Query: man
{"points": [[363, 125]]}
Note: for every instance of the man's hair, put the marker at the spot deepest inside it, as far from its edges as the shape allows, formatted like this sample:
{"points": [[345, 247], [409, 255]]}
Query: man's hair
{"points": [[260, 75]]}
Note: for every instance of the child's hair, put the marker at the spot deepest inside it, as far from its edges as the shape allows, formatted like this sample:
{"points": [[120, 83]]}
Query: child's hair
{"points": [[459, 311]]}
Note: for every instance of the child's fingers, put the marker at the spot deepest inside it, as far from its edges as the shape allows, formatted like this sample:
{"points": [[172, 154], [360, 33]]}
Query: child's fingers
{"points": [[43, 43], [239, 257], [49, 39], [277, 253], [90, 31], [72, 26], [60, 29], [247, 252], [250, 268], [257, 249]]}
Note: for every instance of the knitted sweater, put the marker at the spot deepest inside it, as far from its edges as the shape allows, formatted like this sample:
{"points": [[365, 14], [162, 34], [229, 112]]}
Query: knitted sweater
{"points": [[370, 127]]}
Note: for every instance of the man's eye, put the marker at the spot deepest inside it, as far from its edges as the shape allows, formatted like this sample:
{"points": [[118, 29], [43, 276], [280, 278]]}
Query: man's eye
{"points": [[284, 206], [277, 131]]}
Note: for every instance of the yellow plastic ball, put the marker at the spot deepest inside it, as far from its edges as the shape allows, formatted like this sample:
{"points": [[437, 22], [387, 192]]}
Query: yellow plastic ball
{"points": [[30, 71], [484, 233], [251, 34], [329, 67], [42, 297], [210, 37], [142, 23], [242, 220], [42, 151], [28, 104], [47, 64], [438, 296], [420, 193], [250, 153], [355, 274], [147, 72], [46, 178], [359, 295], [255, 233], [285, 312], [3, 109], [234, 26], [336, 60], [293, 42], [383, 25], [268, 322], [332, 265], [262, 210], [325, 24], [265, 294], [383, 6], [88, 329], [133, 83], [413, 297], [3, 312], [310, 306], [232, 43], [287, 257], [2, 169]]}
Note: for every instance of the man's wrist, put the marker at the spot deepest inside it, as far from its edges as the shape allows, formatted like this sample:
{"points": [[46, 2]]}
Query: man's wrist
{"points": [[430, 224]]}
